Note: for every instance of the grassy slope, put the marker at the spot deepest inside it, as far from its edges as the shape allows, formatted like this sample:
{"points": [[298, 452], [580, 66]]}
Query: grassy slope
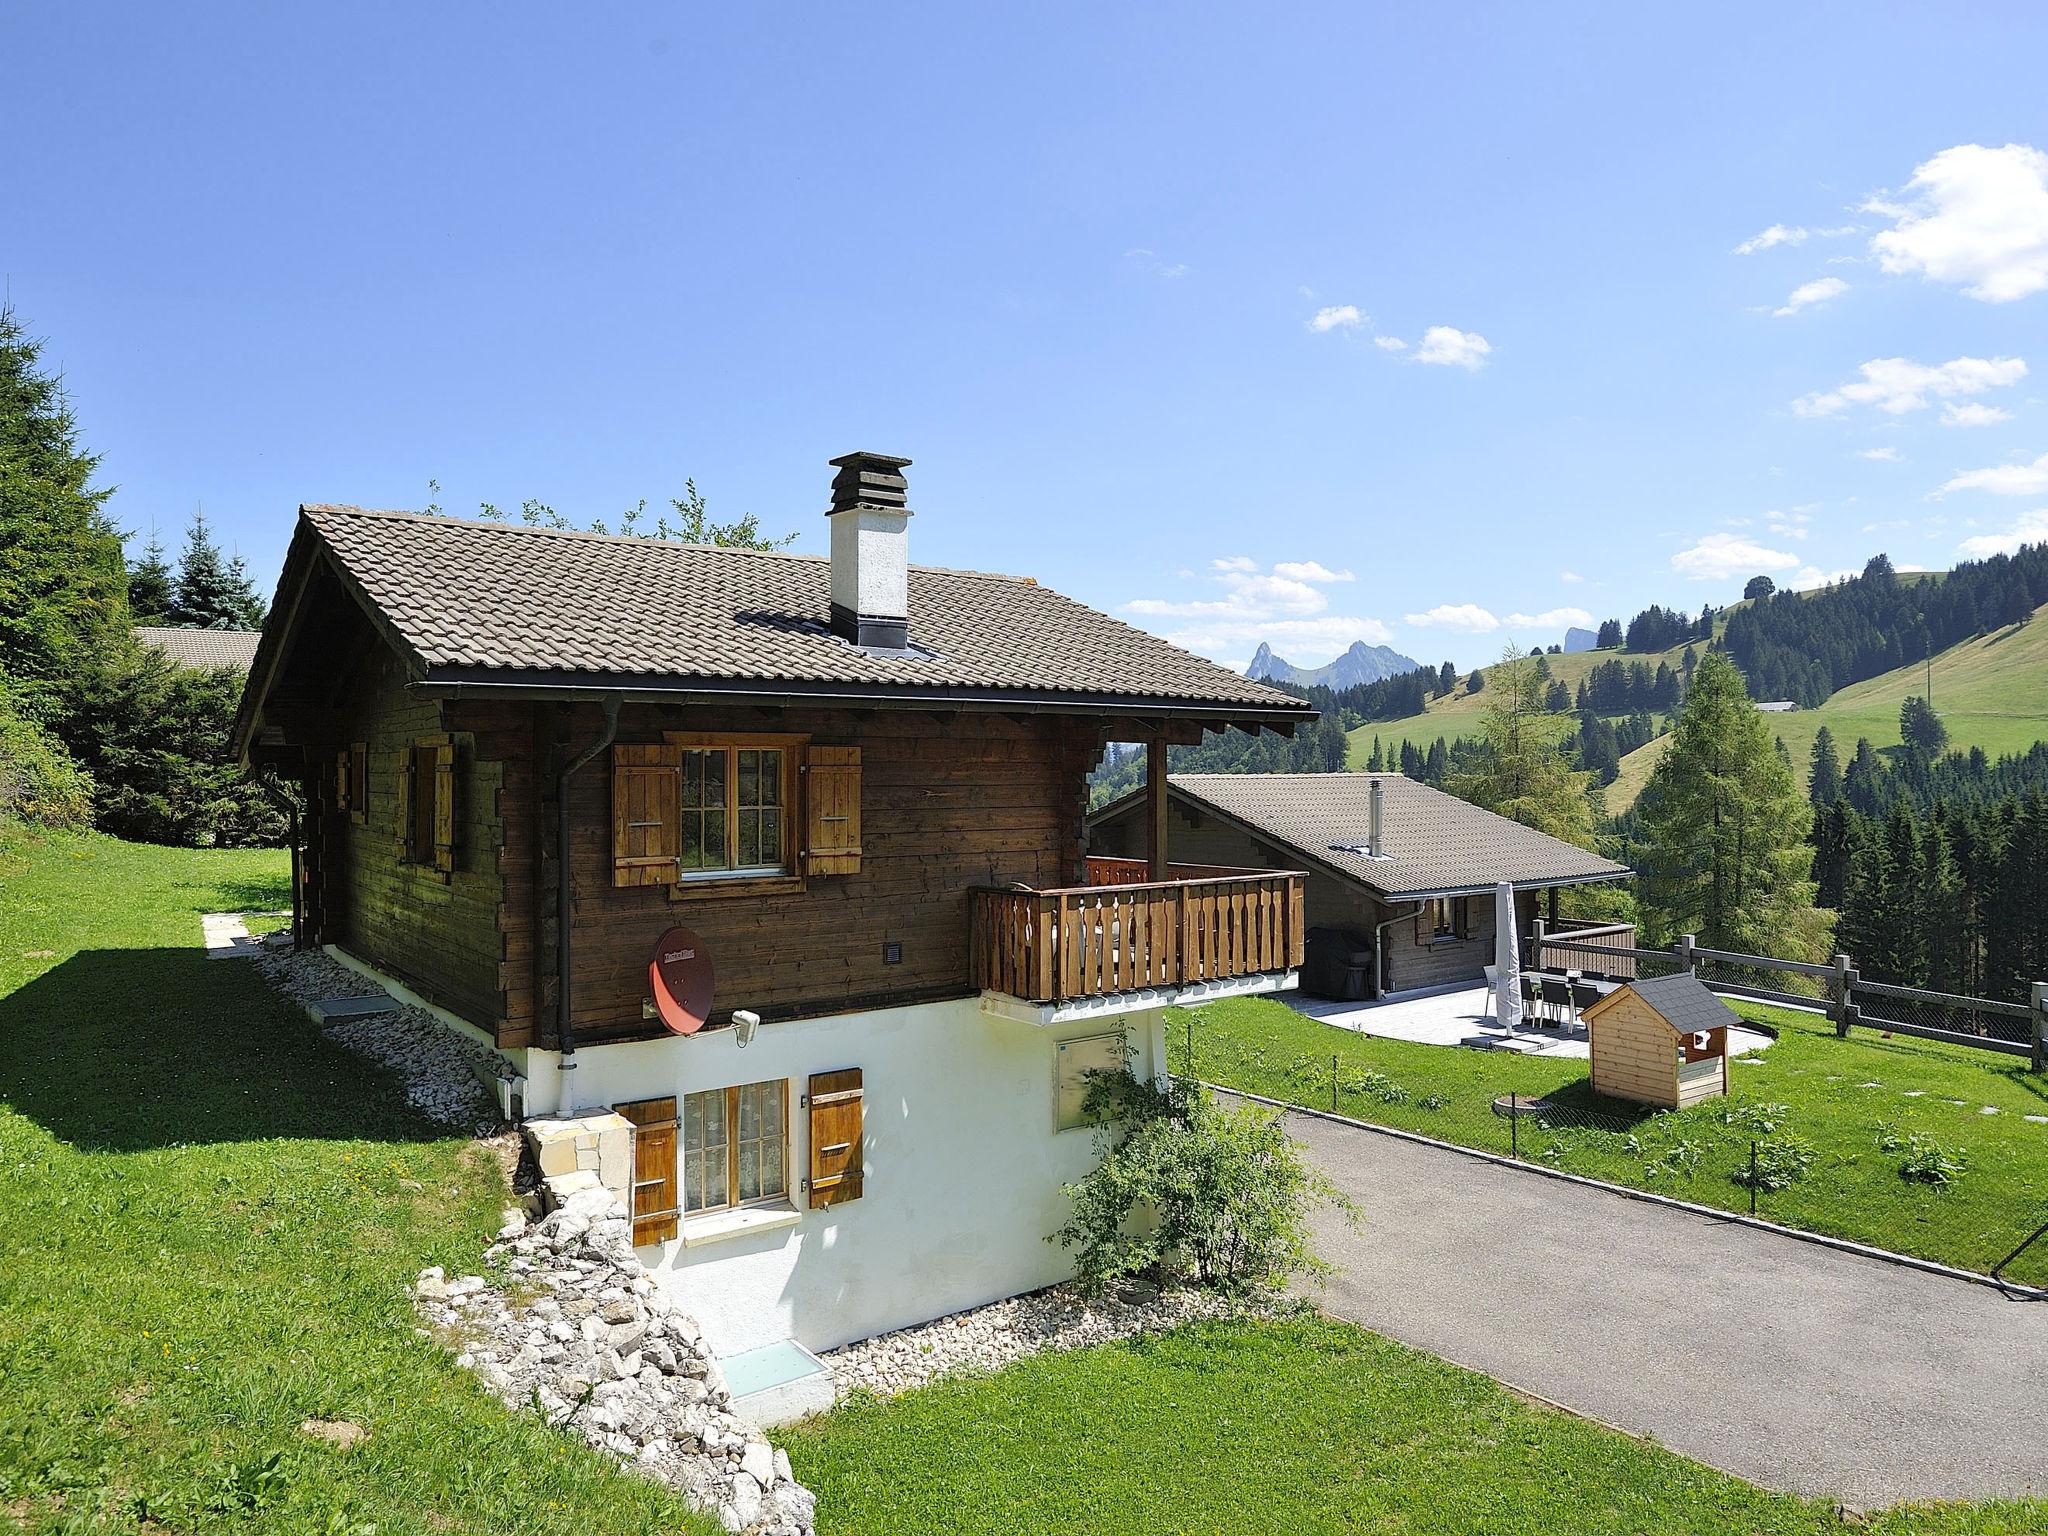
{"points": [[1304, 1426], [1854, 1189], [1457, 712], [1991, 692], [212, 1215]]}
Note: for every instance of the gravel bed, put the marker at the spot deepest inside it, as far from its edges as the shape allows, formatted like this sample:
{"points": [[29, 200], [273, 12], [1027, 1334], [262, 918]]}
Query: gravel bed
{"points": [[442, 1070], [988, 1338]]}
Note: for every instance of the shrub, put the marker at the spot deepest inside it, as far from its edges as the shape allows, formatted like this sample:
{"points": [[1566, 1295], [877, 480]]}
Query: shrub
{"points": [[1781, 1161], [1929, 1161], [38, 780], [1187, 1190]]}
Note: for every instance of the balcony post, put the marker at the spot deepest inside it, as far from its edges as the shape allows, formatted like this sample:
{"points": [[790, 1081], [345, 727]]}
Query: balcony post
{"points": [[1155, 805]]}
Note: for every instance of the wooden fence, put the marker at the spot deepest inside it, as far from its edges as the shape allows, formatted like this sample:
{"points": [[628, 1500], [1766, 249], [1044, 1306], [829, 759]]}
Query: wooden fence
{"points": [[1099, 939]]}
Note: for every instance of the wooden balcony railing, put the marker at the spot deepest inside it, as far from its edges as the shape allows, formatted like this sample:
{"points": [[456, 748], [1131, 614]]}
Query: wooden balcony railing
{"points": [[1100, 939], [1107, 869]]}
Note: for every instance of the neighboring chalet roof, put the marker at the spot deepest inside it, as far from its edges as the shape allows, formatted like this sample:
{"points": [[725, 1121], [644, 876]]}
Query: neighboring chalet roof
{"points": [[483, 606], [1434, 844], [204, 649], [1681, 999]]}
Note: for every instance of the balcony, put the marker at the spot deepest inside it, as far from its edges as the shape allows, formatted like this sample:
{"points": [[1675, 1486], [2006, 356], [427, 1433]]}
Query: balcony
{"points": [[1126, 941]]}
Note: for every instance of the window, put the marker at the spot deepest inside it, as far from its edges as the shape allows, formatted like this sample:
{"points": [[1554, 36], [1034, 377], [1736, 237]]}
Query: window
{"points": [[735, 1147], [697, 810], [1076, 1059], [1443, 917], [426, 805], [359, 783]]}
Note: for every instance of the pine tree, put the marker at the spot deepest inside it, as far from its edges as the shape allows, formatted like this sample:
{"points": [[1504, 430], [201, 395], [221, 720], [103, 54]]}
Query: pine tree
{"points": [[150, 583], [1921, 728], [2017, 946], [1724, 829], [1824, 776], [1943, 920], [212, 593], [1377, 763], [1476, 681], [1446, 679], [1836, 836], [1521, 768], [63, 582], [1609, 637], [1436, 763]]}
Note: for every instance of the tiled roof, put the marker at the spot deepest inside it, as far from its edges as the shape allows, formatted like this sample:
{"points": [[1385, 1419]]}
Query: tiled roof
{"points": [[1685, 1003], [205, 649], [1435, 843], [483, 602]]}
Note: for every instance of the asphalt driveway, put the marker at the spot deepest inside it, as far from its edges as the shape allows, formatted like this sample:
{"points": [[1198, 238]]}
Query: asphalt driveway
{"points": [[1796, 1366]]}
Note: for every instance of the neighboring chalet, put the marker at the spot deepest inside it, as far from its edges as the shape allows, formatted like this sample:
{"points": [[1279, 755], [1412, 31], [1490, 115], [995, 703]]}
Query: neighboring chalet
{"points": [[203, 650], [861, 786], [1411, 870]]}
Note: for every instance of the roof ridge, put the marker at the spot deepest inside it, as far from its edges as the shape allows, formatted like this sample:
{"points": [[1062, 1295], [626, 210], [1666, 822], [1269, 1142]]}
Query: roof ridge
{"points": [[630, 540]]}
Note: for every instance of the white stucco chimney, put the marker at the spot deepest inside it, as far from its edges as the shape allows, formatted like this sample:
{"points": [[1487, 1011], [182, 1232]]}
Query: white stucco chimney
{"points": [[871, 550], [1376, 846]]}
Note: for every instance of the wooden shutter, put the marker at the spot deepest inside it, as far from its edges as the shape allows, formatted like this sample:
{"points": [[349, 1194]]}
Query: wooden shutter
{"points": [[832, 811], [837, 1148], [443, 757], [654, 1169], [407, 789], [359, 781], [646, 824], [342, 783]]}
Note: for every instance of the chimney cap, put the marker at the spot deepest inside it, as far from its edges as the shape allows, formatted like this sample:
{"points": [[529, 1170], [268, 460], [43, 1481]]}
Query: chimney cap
{"points": [[869, 480]]}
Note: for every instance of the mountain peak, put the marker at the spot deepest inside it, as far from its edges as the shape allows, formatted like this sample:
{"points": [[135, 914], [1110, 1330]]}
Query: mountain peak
{"points": [[1360, 664]]}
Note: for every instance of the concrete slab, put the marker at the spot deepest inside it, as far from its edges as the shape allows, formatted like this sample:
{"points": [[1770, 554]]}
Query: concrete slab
{"points": [[226, 936], [1464, 1016], [354, 1007]]}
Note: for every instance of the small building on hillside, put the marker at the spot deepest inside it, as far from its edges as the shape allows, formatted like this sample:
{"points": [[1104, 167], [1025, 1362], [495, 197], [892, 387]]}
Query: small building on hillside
{"points": [[1410, 870], [203, 650], [1662, 1041]]}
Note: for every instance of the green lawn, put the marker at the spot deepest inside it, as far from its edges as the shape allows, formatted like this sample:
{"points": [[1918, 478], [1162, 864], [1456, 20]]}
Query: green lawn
{"points": [[1303, 1426], [211, 1216], [1843, 1098]]}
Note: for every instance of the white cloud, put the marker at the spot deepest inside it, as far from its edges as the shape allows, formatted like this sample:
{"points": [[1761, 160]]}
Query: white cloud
{"points": [[1467, 618], [2002, 479], [1310, 570], [1719, 556], [1896, 385], [1569, 576], [1451, 347], [1777, 234], [1972, 216], [1807, 577], [1885, 455], [1337, 317], [1788, 525], [1390, 343], [1819, 291], [1284, 607], [1973, 414], [2027, 528], [1151, 261], [1471, 619], [1889, 525]]}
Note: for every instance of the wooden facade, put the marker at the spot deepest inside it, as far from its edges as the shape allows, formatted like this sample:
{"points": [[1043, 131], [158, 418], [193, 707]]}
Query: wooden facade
{"points": [[1638, 1055]]}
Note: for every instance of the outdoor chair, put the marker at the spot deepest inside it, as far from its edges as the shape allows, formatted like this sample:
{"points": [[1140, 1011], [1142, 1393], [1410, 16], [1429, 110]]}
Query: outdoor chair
{"points": [[1583, 997], [1532, 998], [1557, 1000]]}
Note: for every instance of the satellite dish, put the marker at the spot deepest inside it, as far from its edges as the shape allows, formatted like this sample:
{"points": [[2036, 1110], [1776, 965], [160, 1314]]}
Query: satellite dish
{"points": [[680, 977]]}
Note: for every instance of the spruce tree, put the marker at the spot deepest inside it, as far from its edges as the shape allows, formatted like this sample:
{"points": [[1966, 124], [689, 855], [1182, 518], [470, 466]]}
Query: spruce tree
{"points": [[1521, 764], [1943, 920], [2017, 948], [1724, 830], [1824, 774], [63, 582], [150, 583], [212, 592], [1921, 728]]}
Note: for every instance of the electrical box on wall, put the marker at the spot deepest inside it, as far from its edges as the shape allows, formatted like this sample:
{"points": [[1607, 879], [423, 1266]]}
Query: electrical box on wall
{"points": [[892, 953]]}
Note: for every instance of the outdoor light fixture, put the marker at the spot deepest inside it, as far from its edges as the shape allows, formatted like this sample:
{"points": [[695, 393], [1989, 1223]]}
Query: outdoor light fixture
{"points": [[744, 1023]]}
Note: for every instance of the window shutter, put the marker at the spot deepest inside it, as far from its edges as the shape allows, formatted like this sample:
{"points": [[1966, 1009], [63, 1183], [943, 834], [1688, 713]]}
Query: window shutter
{"points": [[444, 808], [837, 1148], [832, 811], [359, 780], [341, 781], [646, 822], [654, 1169], [407, 788]]}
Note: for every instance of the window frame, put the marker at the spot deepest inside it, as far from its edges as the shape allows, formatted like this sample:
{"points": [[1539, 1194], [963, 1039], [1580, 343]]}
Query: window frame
{"points": [[1443, 920], [786, 873], [359, 783], [730, 1105], [419, 805]]}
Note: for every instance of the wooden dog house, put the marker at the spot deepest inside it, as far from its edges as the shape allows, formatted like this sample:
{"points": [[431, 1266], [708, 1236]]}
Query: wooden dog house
{"points": [[1660, 1041]]}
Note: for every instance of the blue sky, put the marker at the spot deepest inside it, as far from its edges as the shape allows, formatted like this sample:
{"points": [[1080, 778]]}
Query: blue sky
{"points": [[1071, 259]]}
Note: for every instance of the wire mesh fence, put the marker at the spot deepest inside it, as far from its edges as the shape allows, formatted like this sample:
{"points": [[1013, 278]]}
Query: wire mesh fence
{"points": [[1883, 1174], [1976, 1021]]}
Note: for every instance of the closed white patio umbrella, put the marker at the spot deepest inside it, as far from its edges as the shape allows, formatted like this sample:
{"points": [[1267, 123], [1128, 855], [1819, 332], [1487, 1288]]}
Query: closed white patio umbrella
{"points": [[1507, 955]]}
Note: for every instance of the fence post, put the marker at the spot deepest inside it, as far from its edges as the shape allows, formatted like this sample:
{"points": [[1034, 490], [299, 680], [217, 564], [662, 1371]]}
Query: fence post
{"points": [[1333, 1085], [1838, 988], [1752, 1178], [1846, 977], [1515, 1126], [1536, 943], [2040, 1037], [1685, 947]]}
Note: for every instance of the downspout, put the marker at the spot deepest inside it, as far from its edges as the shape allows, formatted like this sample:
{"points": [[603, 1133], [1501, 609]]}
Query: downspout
{"points": [[565, 1031], [1379, 941]]}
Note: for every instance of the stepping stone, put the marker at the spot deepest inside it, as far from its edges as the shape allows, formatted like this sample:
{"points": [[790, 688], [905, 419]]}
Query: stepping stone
{"points": [[1870, 1085], [2036, 1119], [354, 1007], [227, 936], [1916, 1093], [1988, 1109]]}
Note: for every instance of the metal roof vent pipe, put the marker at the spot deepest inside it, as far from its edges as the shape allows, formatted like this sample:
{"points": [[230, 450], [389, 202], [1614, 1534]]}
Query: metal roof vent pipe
{"points": [[1376, 842], [871, 551]]}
